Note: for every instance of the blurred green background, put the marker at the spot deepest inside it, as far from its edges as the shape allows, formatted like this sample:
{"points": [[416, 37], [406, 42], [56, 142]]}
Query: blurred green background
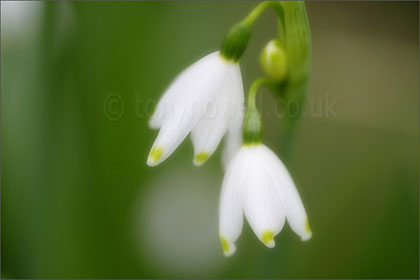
{"points": [[78, 82]]}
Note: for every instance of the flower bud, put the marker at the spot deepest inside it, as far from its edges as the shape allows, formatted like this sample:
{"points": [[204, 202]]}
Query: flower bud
{"points": [[273, 60]]}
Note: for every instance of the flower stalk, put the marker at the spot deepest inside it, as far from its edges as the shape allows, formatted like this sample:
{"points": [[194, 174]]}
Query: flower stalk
{"points": [[294, 33], [237, 38], [287, 65]]}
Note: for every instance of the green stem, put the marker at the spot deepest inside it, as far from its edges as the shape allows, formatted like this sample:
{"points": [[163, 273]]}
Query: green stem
{"points": [[257, 11], [298, 51], [237, 38], [294, 33], [254, 89]]}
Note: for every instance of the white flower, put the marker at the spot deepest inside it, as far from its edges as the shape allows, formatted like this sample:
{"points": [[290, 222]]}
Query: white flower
{"points": [[258, 185], [206, 99]]}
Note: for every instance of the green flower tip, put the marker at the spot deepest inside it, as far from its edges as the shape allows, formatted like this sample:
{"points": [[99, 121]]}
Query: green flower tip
{"points": [[308, 232], [225, 245], [155, 156], [307, 227], [268, 238], [201, 158], [228, 248]]}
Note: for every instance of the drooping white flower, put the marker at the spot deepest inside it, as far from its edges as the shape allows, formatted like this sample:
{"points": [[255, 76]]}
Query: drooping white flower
{"points": [[206, 99], [258, 185]]}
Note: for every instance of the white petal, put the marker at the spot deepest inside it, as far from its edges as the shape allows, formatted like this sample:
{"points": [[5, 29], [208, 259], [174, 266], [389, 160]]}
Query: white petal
{"points": [[179, 88], [206, 135], [295, 211], [262, 204], [231, 204], [186, 110], [233, 139], [232, 143], [170, 136]]}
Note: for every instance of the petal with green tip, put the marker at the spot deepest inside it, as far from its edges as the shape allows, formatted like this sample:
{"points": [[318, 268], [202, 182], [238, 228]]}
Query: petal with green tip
{"points": [[155, 155], [295, 211]]}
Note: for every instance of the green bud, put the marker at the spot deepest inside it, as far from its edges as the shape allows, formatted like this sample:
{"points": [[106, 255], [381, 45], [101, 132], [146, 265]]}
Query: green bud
{"points": [[273, 60], [236, 41], [252, 130]]}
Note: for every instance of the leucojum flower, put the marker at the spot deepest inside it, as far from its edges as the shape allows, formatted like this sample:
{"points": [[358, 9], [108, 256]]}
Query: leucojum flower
{"points": [[206, 101], [259, 186]]}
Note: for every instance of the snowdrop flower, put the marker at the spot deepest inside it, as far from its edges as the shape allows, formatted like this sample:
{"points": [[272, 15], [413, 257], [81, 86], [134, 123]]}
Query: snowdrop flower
{"points": [[206, 100], [258, 185]]}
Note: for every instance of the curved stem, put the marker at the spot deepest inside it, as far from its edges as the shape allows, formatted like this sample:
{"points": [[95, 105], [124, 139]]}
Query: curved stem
{"points": [[254, 89], [294, 33], [257, 11], [260, 8]]}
